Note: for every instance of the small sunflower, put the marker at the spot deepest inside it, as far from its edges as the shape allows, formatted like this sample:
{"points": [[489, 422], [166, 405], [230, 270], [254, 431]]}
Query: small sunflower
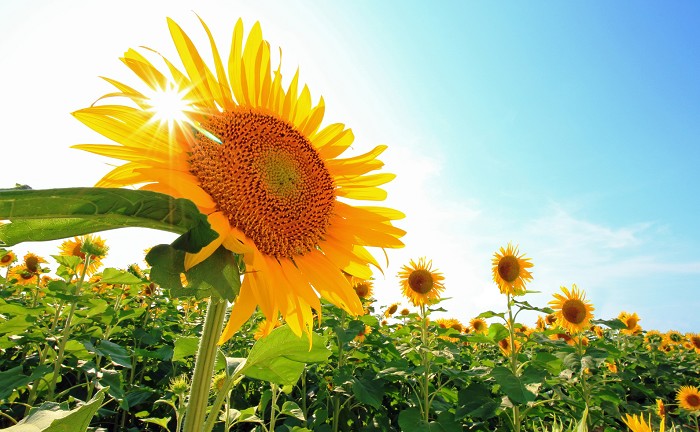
{"points": [[694, 339], [688, 398], [637, 423], [405, 312], [22, 276], [7, 258], [363, 288], [572, 310], [631, 321], [32, 263], [563, 337], [660, 408], [612, 367], [252, 155], [421, 285], [510, 271], [673, 337], [598, 330], [391, 310], [81, 247], [505, 347], [479, 325], [362, 334], [540, 324]]}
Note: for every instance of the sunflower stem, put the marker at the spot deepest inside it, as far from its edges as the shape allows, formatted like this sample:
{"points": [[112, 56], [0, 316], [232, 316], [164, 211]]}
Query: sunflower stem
{"points": [[426, 364], [341, 363], [204, 365], [513, 360], [67, 329]]}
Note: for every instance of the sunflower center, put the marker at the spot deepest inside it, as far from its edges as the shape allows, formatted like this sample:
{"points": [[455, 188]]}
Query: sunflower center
{"points": [[695, 340], [693, 400], [509, 268], [631, 323], [267, 179], [32, 264], [6, 259], [420, 281], [574, 311]]}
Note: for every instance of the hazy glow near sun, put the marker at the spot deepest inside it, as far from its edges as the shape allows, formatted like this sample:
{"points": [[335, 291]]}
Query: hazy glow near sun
{"points": [[169, 105]]}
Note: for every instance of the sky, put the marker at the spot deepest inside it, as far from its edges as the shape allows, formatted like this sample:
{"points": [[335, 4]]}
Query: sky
{"points": [[571, 129]]}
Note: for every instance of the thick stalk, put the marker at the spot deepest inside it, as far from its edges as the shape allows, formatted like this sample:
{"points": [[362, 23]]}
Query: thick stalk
{"points": [[204, 366], [273, 406]]}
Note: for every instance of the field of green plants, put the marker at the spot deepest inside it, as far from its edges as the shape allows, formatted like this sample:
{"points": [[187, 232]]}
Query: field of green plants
{"points": [[114, 351]]}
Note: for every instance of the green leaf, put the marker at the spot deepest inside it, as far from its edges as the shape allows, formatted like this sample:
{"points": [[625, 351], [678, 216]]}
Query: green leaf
{"points": [[368, 391], [292, 409], [490, 314], [614, 323], [280, 357], [50, 214], [410, 421], [185, 346], [167, 263], [162, 422], [476, 401], [219, 272], [49, 417], [114, 276], [498, 332], [16, 325], [12, 379], [114, 352], [512, 386]]}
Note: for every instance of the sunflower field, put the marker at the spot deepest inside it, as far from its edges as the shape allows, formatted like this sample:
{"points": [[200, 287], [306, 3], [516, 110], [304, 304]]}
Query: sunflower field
{"points": [[260, 315], [111, 350]]}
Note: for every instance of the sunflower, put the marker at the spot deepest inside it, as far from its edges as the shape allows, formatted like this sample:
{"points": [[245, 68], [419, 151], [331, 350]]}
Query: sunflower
{"points": [[32, 263], [404, 312], [598, 330], [421, 285], [391, 310], [695, 341], [631, 322], [572, 310], [510, 270], [22, 275], [673, 337], [362, 334], [563, 337], [660, 408], [7, 258], [252, 156], [479, 325], [363, 288], [638, 424], [688, 398], [93, 245], [612, 367], [505, 346]]}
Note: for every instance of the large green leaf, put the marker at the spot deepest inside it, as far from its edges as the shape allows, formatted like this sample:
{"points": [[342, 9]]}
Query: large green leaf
{"points": [[512, 386], [49, 417], [50, 214], [281, 356]]}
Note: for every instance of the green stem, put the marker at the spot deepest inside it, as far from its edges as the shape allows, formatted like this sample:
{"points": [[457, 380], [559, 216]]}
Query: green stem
{"points": [[67, 329], [222, 395], [204, 365], [273, 405], [513, 361], [341, 363], [425, 360]]}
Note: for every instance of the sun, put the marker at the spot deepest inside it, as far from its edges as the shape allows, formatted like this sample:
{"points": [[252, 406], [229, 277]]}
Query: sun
{"points": [[169, 105]]}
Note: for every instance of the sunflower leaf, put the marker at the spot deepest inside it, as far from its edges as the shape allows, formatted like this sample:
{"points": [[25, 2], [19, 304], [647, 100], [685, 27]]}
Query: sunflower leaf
{"points": [[50, 214]]}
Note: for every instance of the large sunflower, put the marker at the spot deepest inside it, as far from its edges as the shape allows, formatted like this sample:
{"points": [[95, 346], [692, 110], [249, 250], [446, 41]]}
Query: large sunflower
{"points": [[688, 398], [421, 285], [510, 270], [572, 310], [252, 156]]}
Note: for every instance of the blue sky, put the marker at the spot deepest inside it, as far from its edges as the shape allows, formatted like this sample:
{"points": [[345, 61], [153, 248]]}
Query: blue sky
{"points": [[571, 129]]}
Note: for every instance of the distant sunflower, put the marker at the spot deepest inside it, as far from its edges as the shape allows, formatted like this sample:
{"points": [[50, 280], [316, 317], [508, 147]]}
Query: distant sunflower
{"points": [[32, 263], [505, 346], [695, 341], [612, 367], [688, 398], [673, 337], [421, 285], [572, 310], [7, 259], [22, 276], [479, 325], [404, 312], [563, 337], [252, 156], [391, 310], [363, 288], [510, 270], [79, 245], [660, 408], [631, 322], [636, 423], [362, 334]]}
